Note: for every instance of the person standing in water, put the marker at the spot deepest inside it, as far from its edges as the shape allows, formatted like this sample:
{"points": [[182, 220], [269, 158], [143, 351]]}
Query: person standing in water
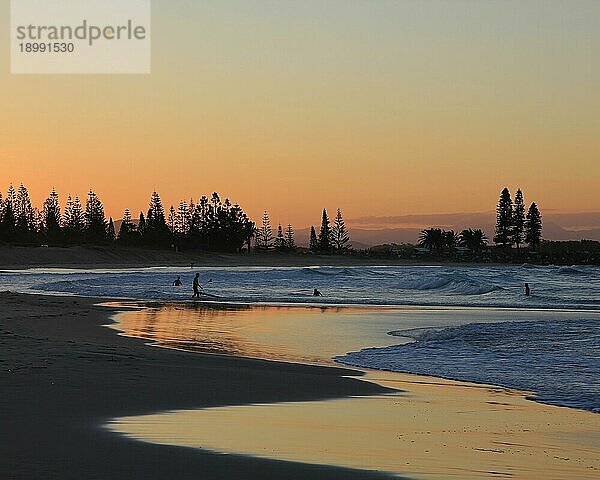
{"points": [[527, 290], [316, 293], [177, 283], [197, 286]]}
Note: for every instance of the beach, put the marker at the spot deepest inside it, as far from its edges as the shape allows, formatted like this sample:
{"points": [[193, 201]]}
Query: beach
{"points": [[19, 257], [63, 375], [66, 376]]}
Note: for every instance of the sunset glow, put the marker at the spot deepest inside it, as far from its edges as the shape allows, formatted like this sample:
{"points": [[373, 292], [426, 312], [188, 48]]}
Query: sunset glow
{"points": [[378, 108]]}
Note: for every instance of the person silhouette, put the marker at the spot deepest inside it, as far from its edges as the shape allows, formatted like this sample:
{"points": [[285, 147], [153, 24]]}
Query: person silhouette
{"points": [[197, 286], [177, 283], [316, 293], [527, 290]]}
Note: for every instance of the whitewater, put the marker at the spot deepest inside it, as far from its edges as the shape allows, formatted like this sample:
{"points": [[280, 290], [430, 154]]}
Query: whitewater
{"points": [[555, 353]]}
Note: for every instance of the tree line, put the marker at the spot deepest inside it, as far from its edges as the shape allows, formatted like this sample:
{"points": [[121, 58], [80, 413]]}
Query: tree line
{"points": [[514, 227], [211, 224], [332, 239]]}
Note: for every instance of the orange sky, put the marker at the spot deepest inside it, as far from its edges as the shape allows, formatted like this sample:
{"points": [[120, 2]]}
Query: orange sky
{"points": [[379, 108]]}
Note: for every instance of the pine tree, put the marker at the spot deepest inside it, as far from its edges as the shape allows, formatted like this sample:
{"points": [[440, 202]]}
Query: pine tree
{"points": [[279, 239], [313, 244], [533, 226], [504, 219], [127, 228], [339, 234], [24, 215], [110, 231], [182, 224], [171, 220], [518, 221], [95, 221], [289, 238], [325, 234], [74, 220], [264, 235], [51, 218], [142, 224], [8, 221], [156, 231]]}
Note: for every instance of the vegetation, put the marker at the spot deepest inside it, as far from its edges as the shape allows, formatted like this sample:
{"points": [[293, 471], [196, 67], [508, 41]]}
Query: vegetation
{"points": [[210, 225], [512, 226], [215, 225], [325, 234], [339, 234]]}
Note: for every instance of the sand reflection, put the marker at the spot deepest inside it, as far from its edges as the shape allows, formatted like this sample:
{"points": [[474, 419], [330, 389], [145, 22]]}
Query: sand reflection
{"points": [[436, 429], [270, 332]]}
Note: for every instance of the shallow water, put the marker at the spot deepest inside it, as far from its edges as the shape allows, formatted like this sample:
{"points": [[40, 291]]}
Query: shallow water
{"points": [[470, 285], [429, 429], [555, 354]]}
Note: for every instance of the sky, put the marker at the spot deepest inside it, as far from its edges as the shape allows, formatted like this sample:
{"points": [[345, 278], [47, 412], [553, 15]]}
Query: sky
{"points": [[380, 108]]}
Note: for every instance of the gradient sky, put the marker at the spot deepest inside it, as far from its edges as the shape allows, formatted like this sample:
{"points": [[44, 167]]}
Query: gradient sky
{"points": [[376, 107]]}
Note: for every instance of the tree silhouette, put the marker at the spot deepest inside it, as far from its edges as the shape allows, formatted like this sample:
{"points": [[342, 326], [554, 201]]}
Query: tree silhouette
{"points": [[313, 243], [24, 215], [279, 239], [110, 231], [7, 226], [156, 231], [74, 221], [325, 234], [171, 221], [182, 219], [533, 226], [264, 235], [504, 219], [432, 238], [475, 240], [127, 231], [95, 221], [141, 225], [51, 219], [518, 220], [450, 239], [339, 234], [289, 238]]}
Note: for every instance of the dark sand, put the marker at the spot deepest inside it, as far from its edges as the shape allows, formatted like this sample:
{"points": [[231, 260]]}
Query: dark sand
{"points": [[17, 258], [63, 375]]}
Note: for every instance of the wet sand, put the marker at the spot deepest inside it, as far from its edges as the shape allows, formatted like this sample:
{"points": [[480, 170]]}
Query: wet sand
{"points": [[63, 375], [428, 428]]}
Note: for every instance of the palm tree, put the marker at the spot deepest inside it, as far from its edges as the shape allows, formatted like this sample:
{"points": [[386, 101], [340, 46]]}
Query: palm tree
{"points": [[432, 238], [475, 240], [450, 239]]}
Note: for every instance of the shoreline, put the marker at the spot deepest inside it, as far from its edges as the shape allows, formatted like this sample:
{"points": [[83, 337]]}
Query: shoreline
{"points": [[65, 375], [367, 372], [88, 257], [60, 361], [475, 430]]}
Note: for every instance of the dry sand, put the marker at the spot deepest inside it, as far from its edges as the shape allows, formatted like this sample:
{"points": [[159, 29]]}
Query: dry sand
{"points": [[62, 375], [105, 257]]}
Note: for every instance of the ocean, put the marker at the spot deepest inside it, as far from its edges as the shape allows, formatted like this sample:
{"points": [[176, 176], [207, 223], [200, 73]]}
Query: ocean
{"points": [[470, 323]]}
